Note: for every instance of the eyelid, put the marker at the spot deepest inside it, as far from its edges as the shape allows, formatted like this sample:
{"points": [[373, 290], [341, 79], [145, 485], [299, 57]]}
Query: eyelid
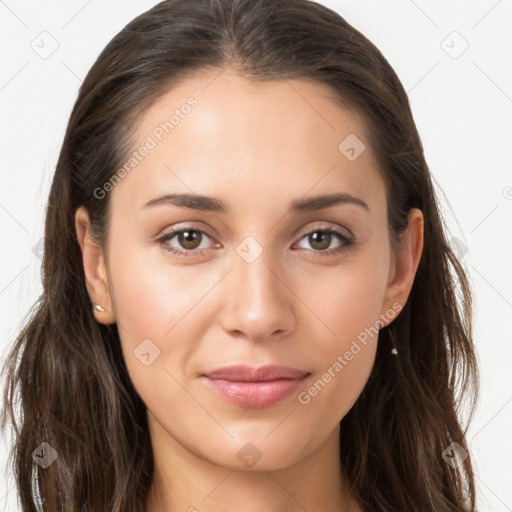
{"points": [[184, 226], [327, 227]]}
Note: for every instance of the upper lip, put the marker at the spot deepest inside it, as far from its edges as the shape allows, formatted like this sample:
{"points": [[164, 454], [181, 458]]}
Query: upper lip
{"points": [[245, 373]]}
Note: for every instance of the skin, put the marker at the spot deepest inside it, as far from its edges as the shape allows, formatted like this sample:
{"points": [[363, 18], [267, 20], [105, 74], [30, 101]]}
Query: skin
{"points": [[256, 146]]}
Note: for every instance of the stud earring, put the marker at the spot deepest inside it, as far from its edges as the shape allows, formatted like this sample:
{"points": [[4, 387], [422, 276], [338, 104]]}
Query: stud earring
{"points": [[97, 307], [394, 351]]}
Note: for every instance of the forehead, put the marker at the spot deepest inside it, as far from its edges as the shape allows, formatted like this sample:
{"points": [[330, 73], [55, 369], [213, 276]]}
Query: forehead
{"points": [[227, 105], [216, 130]]}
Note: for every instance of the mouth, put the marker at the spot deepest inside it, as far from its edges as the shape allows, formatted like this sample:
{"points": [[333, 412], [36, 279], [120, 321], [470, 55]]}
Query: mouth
{"points": [[253, 388]]}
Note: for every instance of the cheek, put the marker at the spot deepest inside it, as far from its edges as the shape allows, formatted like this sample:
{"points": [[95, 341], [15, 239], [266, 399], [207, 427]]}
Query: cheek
{"points": [[333, 391], [160, 312], [150, 296], [348, 300], [347, 347], [345, 355]]}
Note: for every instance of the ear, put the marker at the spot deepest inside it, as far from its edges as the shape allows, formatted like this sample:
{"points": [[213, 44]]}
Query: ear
{"points": [[94, 268], [405, 263]]}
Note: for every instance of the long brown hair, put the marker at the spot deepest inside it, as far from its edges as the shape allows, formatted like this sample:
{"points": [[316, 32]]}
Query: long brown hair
{"points": [[66, 371]]}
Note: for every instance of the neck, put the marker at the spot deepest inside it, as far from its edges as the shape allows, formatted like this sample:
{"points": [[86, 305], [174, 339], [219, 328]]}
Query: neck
{"points": [[186, 481]]}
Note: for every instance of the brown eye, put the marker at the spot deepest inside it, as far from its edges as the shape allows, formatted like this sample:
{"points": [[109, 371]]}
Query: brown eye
{"points": [[320, 240], [185, 242], [189, 240]]}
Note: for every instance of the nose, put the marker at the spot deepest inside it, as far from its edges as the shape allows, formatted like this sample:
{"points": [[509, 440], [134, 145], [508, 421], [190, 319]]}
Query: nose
{"points": [[260, 303]]}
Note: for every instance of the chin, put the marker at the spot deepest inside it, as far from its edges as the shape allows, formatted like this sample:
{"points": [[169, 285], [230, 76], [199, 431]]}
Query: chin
{"points": [[255, 454]]}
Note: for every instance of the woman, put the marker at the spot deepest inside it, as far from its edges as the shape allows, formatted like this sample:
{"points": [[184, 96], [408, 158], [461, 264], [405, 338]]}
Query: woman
{"points": [[248, 292]]}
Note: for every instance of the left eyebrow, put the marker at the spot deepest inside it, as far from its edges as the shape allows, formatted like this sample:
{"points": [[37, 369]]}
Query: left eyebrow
{"points": [[324, 201]]}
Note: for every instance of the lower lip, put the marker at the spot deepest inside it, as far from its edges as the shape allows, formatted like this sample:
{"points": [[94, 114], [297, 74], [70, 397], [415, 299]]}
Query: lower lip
{"points": [[254, 395]]}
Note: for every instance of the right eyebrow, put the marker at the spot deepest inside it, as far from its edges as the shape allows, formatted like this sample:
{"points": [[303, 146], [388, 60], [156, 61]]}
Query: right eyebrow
{"points": [[204, 203]]}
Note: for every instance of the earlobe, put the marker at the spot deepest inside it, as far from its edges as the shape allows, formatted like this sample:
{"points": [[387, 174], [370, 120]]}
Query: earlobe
{"points": [[94, 269], [407, 259]]}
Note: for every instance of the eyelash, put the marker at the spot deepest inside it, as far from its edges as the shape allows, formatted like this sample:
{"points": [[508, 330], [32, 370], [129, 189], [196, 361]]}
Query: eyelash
{"points": [[348, 241]]}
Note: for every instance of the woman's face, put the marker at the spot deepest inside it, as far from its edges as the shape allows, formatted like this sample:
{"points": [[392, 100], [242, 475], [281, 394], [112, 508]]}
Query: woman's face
{"points": [[252, 280]]}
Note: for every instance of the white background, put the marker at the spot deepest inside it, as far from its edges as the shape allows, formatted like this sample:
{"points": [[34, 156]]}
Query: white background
{"points": [[462, 107]]}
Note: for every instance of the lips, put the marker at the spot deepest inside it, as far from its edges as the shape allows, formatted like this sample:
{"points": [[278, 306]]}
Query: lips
{"points": [[250, 387], [243, 373]]}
